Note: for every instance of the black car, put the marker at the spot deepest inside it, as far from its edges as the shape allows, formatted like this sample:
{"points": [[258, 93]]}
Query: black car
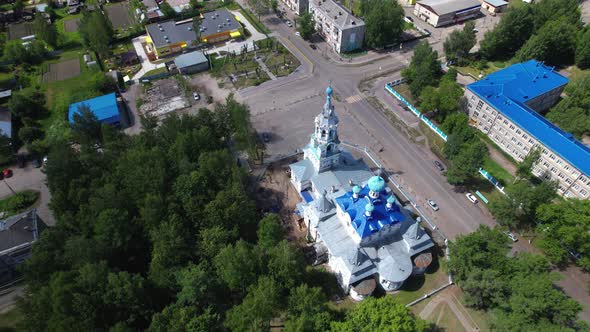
{"points": [[36, 163], [20, 161], [410, 19], [265, 137], [313, 47], [439, 165]]}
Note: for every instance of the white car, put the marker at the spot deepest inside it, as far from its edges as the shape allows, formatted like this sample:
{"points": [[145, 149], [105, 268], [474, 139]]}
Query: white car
{"points": [[432, 204], [196, 96], [297, 33], [471, 198], [511, 236]]}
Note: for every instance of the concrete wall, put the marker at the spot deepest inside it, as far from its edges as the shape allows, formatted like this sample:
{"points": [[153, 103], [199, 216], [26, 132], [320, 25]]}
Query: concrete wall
{"points": [[518, 143], [352, 39]]}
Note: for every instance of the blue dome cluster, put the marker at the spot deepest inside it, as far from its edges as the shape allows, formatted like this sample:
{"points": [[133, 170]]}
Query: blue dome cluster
{"points": [[376, 184]]}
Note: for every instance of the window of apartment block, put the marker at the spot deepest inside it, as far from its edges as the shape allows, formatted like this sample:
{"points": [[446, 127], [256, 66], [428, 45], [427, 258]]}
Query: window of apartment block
{"points": [[513, 139], [518, 131], [568, 180], [552, 156], [559, 162], [577, 186], [505, 122], [479, 105], [583, 179], [561, 175], [546, 164], [575, 173], [494, 113], [525, 136], [531, 141], [545, 151], [487, 108], [472, 97], [567, 167], [484, 116], [511, 127], [500, 117], [476, 114], [526, 148], [568, 194], [561, 188], [485, 128], [553, 170], [519, 144], [547, 176], [584, 192], [469, 105]]}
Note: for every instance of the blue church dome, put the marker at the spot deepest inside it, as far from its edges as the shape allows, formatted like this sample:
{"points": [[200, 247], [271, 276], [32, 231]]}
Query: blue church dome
{"points": [[329, 90], [391, 199], [376, 184], [356, 189], [369, 207]]}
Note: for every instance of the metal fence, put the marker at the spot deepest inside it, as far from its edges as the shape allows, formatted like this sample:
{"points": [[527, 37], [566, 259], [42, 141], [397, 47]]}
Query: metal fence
{"points": [[415, 110]]}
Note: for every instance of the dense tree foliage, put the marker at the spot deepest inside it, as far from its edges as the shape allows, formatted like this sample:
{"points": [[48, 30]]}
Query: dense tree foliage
{"points": [[45, 31], [306, 26], [583, 49], [96, 31], [15, 52], [445, 99], [508, 36], [384, 22], [566, 223], [572, 113], [519, 290], [460, 42], [383, 314], [521, 201], [424, 69], [554, 43], [551, 10]]}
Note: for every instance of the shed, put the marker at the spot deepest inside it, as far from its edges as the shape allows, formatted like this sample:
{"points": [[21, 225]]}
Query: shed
{"points": [[193, 62], [105, 108], [494, 6]]}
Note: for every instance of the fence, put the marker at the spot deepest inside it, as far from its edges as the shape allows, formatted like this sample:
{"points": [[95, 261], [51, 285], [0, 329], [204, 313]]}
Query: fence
{"points": [[415, 110], [492, 179]]}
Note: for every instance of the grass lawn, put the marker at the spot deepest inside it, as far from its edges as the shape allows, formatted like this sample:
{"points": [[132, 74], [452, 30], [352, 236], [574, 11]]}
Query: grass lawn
{"points": [[278, 62], [497, 171], [436, 142], [490, 68], [18, 202], [9, 320], [404, 90], [254, 21], [156, 71], [69, 39]]}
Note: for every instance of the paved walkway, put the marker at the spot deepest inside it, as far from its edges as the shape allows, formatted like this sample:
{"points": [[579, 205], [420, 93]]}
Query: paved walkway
{"points": [[265, 68], [146, 65], [447, 298]]}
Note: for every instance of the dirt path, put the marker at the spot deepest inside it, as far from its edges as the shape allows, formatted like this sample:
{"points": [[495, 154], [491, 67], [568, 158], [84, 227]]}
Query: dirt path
{"points": [[499, 158], [447, 298]]}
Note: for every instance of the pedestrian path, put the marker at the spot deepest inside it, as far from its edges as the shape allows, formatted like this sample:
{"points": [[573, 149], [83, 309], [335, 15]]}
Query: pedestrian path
{"points": [[353, 99], [265, 68]]}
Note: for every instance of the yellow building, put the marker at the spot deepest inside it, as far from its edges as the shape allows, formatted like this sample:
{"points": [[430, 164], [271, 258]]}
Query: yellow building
{"points": [[169, 37], [219, 25]]}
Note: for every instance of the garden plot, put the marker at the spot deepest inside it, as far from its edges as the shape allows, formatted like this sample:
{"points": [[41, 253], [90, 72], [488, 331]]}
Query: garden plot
{"points": [[71, 25], [20, 30], [119, 15], [62, 70]]}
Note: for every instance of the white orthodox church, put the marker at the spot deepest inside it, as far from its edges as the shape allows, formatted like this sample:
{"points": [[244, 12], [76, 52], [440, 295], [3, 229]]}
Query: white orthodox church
{"points": [[353, 217]]}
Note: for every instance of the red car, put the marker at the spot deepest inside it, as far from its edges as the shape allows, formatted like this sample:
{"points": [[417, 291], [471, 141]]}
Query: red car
{"points": [[7, 173]]}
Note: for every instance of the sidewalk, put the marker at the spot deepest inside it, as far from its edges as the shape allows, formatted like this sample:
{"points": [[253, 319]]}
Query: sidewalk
{"points": [[146, 65]]}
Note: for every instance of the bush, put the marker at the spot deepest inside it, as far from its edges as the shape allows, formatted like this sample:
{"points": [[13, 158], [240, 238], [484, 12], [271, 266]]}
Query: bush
{"points": [[18, 202]]}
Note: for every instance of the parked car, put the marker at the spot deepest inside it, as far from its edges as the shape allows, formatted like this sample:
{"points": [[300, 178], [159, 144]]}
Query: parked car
{"points": [[20, 161], [36, 162], [439, 165], [196, 96], [432, 204], [45, 160], [313, 47], [266, 137], [511, 236], [289, 24], [7, 172], [297, 33], [471, 198], [410, 19], [428, 32]]}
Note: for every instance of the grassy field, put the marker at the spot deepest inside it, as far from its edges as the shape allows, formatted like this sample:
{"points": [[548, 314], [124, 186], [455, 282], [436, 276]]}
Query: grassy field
{"points": [[9, 320], [156, 71], [497, 171], [254, 21], [475, 72], [18, 202], [404, 90]]}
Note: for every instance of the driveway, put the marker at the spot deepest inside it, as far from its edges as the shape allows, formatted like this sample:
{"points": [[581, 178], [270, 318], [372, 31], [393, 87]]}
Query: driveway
{"points": [[146, 65], [236, 46]]}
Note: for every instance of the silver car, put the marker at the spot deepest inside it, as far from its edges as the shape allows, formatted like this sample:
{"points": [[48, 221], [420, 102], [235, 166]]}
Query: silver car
{"points": [[432, 204]]}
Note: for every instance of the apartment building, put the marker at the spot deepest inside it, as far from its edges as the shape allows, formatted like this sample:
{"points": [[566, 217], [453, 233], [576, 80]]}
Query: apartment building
{"points": [[297, 6], [341, 30], [505, 105]]}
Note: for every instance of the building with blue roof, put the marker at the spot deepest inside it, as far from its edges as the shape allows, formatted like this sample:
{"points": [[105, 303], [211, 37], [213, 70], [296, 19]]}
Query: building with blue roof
{"points": [[105, 108], [505, 105], [356, 222]]}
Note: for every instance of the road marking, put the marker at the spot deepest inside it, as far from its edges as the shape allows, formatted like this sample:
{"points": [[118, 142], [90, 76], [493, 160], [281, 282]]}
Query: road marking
{"points": [[353, 99]]}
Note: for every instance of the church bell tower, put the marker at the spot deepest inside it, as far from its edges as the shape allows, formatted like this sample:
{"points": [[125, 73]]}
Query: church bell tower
{"points": [[324, 151]]}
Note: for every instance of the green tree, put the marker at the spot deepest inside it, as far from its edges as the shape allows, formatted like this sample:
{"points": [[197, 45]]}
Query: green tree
{"points": [[583, 49], [6, 151], [27, 104], [429, 99], [484, 288], [96, 31], [306, 26], [572, 114], [553, 10], [286, 264], [15, 52], [167, 10], [383, 22], [465, 165], [524, 169], [44, 31], [382, 314], [261, 304], [424, 69], [238, 265], [18, 6], [460, 42], [554, 43], [450, 94], [508, 36], [270, 231], [29, 134], [86, 128]]}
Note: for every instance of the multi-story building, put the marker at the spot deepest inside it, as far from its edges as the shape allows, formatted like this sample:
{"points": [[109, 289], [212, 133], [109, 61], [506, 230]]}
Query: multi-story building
{"points": [[357, 224], [298, 6], [505, 105], [341, 30]]}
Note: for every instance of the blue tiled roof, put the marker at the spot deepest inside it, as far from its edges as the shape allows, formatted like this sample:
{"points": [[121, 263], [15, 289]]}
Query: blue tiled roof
{"points": [[104, 108], [381, 216], [508, 90]]}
